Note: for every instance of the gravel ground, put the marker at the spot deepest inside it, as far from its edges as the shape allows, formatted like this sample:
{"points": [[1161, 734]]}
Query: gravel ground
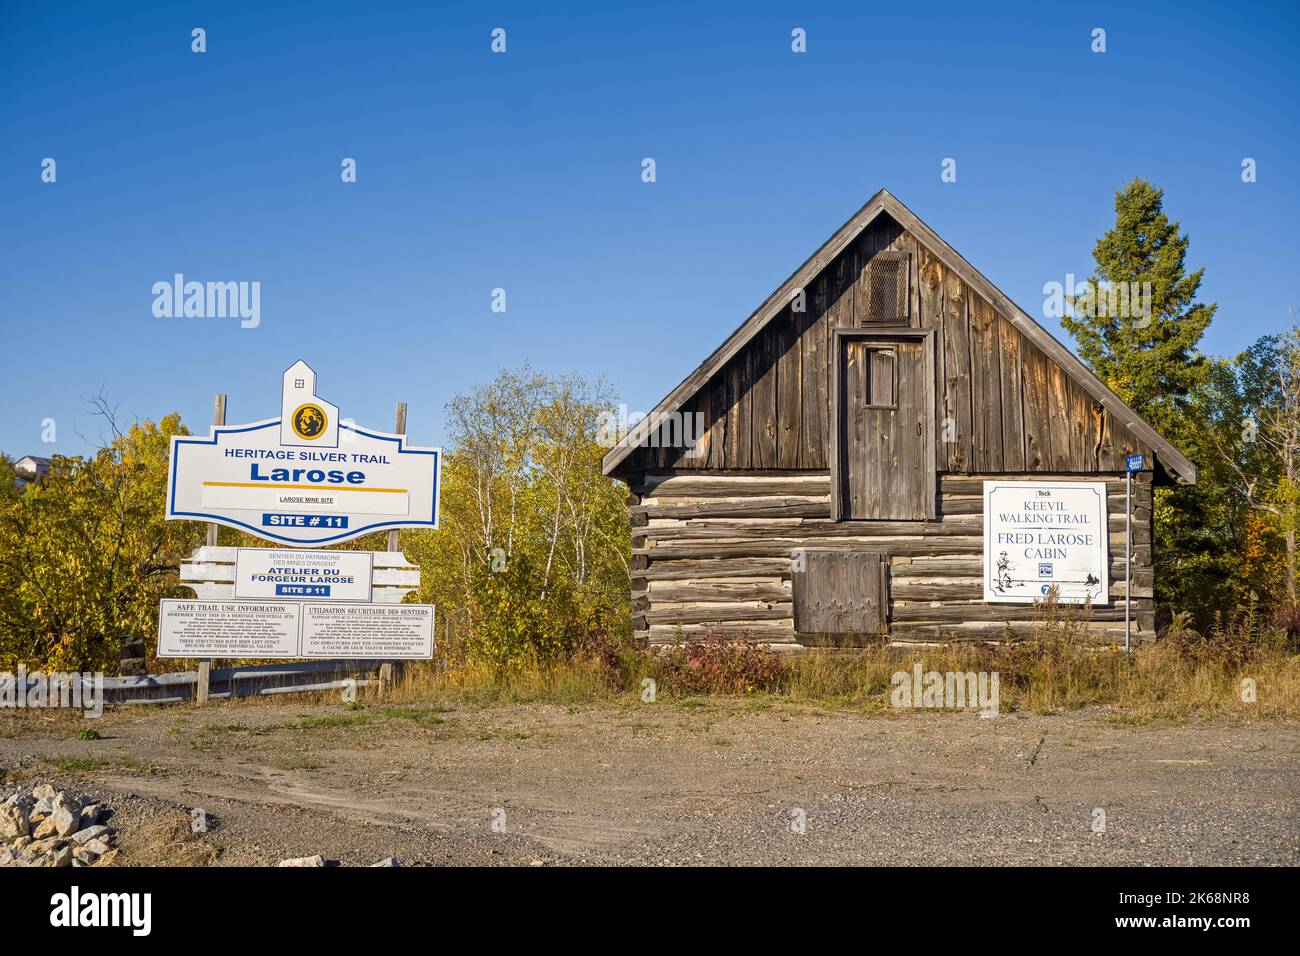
{"points": [[679, 783]]}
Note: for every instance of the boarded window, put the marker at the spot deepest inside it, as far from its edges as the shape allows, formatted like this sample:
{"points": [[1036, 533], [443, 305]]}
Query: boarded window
{"points": [[881, 378], [887, 288], [841, 592]]}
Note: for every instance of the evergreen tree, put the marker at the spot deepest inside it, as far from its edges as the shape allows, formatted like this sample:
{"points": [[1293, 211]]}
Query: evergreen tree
{"points": [[1137, 324], [1144, 348]]}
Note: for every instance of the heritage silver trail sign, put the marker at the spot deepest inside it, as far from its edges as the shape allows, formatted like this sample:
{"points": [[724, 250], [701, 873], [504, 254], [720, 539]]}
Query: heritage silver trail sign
{"points": [[305, 478], [1044, 534]]}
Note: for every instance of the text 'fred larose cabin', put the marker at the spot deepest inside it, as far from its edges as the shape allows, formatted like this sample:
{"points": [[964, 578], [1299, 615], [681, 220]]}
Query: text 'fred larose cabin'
{"points": [[836, 490]]}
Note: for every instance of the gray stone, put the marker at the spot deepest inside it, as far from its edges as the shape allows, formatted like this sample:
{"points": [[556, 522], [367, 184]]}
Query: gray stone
{"points": [[97, 847], [66, 816], [42, 790], [6, 857], [91, 814], [83, 856], [316, 860], [61, 857], [90, 833], [44, 806], [386, 861]]}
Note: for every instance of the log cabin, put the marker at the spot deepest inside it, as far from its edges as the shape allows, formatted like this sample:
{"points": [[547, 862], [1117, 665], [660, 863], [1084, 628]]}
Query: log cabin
{"points": [[850, 433]]}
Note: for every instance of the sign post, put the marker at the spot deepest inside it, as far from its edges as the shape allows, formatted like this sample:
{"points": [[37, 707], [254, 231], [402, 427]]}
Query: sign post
{"points": [[205, 665], [389, 670], [1132, 463]]}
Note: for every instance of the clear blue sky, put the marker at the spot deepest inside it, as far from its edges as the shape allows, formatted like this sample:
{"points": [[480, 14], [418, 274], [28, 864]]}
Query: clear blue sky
{"points": [[523, 170]]}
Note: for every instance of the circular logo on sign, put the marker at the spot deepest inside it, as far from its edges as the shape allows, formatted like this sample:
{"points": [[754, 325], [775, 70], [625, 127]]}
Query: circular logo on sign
{"points": [[308, 421]]}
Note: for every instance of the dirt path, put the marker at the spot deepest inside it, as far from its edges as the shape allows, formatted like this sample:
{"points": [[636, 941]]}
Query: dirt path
{"points": [[677, 783]]}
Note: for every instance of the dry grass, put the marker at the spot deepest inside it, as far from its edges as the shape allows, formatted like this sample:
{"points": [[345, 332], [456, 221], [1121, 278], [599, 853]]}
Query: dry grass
{"points": [[1156, 683], [577, 681], [1185, 675], [168, 841]]}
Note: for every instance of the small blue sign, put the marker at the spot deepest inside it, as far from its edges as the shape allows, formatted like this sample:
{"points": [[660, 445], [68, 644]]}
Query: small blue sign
{"points": [[1135, 463], [1045, 569], [304, 521], [302, 590]]}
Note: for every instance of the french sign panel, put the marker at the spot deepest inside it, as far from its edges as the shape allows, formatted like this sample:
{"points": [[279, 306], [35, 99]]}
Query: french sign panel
{"points": [[317, 575], [229, 629], [1044, 534], [396, 631], [295, 629], [304, 478]]}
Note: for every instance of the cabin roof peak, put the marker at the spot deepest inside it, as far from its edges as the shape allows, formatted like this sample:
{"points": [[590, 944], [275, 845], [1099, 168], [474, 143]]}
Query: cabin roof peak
{"points": [[1169, 458]]}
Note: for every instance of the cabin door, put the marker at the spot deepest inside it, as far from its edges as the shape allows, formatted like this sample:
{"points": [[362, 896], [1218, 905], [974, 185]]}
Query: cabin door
{"points": [[885, 411]]}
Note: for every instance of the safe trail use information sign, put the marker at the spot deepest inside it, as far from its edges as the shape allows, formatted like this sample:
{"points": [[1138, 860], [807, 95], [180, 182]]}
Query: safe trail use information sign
{"points": [[304, 478], [295, 629], [1044, 534]]}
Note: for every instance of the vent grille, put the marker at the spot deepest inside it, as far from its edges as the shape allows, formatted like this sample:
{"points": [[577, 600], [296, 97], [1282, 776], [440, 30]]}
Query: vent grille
{"points": [[887, 287]]}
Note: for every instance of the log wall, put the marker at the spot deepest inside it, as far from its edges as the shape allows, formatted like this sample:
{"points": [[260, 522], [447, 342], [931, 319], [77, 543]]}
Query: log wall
{"points": [[711, 552]]}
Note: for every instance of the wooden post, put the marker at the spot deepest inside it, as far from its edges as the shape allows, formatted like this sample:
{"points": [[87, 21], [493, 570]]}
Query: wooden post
{"points": [[205, 665], [391, 670], [1128, 558]]}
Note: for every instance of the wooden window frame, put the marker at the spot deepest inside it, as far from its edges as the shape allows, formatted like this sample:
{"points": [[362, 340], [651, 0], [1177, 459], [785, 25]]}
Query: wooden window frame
{"points": [[893, 378], [896, 333]]}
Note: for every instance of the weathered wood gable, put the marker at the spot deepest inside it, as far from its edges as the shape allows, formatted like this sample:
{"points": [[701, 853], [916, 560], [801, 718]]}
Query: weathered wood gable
{"points": [[1001, 403]]}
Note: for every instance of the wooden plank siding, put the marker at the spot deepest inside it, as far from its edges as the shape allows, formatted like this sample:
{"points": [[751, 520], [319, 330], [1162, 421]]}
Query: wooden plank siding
{"points": [[1001, 405], [712, 554]]}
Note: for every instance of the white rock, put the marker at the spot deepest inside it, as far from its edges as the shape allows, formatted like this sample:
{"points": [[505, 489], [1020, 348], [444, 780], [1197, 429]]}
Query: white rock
{"points": [[316, 860], [60, 857], [90, 833], [15, 821], [65, 820], [42, 790], [386, 861], [97, 847]]}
